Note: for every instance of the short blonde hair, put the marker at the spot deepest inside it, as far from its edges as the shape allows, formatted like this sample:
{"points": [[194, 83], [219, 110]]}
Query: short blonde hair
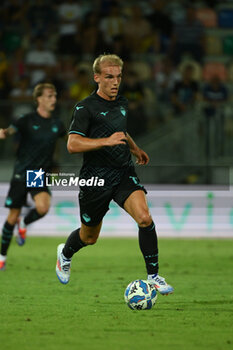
{"points": [[39, 89], [111, 59]]}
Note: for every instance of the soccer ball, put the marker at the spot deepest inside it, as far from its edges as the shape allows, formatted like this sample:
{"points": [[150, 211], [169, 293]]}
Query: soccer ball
{"points": [[140, 295]]}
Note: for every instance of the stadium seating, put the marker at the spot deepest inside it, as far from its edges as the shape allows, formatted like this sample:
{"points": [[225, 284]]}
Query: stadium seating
{"points": [[225, 18], [228, 45], [213, 45], [230, 72], [211, 69], [207, 17]]}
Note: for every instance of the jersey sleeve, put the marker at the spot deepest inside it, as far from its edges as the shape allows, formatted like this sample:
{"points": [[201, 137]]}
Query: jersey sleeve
{"points": [[80, 121], [19, 124]]}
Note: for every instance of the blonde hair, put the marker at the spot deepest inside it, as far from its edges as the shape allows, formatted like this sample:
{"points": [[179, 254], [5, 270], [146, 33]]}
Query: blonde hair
{"points": [[111, 59], [39, 89]]}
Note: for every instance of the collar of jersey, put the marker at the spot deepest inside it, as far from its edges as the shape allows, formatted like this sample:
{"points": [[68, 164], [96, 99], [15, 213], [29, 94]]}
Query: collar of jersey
{"points": [[104, 100]]}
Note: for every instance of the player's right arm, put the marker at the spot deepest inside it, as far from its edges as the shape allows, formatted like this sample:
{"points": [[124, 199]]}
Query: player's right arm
{"points": [[78, 143], [78, 140], [4, 133]]}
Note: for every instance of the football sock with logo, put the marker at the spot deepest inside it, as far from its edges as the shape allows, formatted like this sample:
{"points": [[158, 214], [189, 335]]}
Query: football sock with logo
{"points": [[149, 247], [7, 233], [73, 244], [32, 216]]}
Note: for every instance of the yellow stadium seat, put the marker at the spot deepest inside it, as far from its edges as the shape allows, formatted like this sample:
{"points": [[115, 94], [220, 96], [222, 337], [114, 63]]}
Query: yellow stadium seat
{"points": [[213, 45]]}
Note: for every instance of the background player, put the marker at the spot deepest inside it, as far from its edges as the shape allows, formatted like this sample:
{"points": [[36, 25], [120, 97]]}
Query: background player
{"points": [[38, 132], [98, 129]]}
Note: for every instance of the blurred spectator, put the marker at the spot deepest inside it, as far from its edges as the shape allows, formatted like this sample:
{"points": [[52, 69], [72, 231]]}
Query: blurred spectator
{"points": [[22, 90], [134, 91], [152, 43], [17, 66], [66, 71], [21, 96], [70, 15], [188, 38], [52, 77], [12, 25], [215, 95], [41, 18], [137, 30], [104, 6], [120, 48], [14, 14], [37, 59], [91, 36], [4, 76], [5, 87], [161, 22], [113, 24], [165, 80], [82, 87], [185, 92]]}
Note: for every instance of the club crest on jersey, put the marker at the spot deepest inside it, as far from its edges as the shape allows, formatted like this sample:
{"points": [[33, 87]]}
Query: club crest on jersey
{"points": [[55, 128], [123, 111]]}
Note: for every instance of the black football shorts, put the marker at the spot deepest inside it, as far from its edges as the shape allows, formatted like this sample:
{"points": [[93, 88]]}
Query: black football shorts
{"points": [[94, 204], [17, 194]]}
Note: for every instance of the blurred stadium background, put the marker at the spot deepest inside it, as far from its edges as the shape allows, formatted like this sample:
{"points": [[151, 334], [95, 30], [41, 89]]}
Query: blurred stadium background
{"points": [[178, 77]]}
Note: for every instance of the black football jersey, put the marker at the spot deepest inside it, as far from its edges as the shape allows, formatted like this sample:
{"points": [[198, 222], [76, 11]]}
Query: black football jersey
{"points": [[37, 140], [95, 117]]}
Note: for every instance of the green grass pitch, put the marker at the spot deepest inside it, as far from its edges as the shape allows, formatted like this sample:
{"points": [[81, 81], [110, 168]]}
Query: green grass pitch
{"points": [[39, 313]]}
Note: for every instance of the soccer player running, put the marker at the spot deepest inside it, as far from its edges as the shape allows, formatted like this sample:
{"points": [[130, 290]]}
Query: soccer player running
{"points": [[98, 130], [38, 133]]}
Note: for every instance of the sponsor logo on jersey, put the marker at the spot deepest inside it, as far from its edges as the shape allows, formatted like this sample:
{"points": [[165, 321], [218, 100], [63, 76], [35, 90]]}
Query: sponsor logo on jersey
{"points": [[104, 113], [36, 127]]}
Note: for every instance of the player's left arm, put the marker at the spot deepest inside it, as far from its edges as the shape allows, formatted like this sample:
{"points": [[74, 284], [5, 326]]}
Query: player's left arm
{"points": [[4, 133], [141, 156]]}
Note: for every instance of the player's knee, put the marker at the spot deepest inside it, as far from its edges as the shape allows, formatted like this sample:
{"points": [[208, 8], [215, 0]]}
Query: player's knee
{"points": [[42, 209], [144, 219], [12, 220], [13, 217], [91, 240]]}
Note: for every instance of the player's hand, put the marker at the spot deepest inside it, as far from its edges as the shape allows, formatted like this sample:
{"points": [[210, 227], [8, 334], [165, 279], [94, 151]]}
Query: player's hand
{"points": [[3, 133], [142, 157], [118, 138]]}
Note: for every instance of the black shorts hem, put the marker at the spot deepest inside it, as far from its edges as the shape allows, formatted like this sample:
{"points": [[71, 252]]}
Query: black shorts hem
{"points": [[91, 224], [17, 194], [124, 198]]}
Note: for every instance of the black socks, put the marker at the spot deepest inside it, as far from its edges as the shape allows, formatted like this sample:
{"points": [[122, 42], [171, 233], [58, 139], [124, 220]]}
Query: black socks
{"points": [[7, 233], [32, 216], [149, 247], [73, 244]]}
